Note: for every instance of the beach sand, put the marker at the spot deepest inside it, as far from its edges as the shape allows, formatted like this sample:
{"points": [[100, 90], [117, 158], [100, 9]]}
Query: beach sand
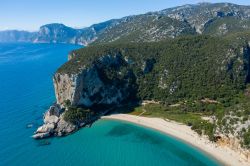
{"points": [[223, 154]]}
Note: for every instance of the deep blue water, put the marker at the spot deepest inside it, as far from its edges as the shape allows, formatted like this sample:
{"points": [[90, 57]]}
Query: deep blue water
{"points": [[26, 91]]}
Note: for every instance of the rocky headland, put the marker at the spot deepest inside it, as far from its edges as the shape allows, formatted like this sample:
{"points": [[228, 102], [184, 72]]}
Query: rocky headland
{"points": [[85, 89], [54, 124]]}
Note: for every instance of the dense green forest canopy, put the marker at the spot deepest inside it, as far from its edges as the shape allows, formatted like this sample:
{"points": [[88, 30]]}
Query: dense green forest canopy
{"points": [[186, 67]]}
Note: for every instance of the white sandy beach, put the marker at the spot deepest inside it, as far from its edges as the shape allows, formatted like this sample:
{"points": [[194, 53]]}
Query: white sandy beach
{"points": [[183, 132]]}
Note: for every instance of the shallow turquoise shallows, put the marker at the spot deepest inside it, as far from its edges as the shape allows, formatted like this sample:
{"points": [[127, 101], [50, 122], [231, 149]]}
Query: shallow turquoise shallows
{"points": [[26, 91]]}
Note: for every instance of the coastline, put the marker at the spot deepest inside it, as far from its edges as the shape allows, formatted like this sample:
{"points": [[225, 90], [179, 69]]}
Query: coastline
{"points": [[224, 155]]}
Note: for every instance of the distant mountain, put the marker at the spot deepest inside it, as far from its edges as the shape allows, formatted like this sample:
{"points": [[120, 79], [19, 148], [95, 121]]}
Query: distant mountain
{"points": [[17, 36], [57, 33], [203, 18], [146, 27], [90, 34], [203, 15]]}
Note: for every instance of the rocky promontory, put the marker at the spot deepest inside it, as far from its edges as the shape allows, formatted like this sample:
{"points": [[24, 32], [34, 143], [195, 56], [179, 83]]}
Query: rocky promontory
{"points": [[54, 124], [85, 89]]}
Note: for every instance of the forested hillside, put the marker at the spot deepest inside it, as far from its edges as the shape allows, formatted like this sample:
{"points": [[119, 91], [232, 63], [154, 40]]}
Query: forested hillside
{"points": [[201, 74]]}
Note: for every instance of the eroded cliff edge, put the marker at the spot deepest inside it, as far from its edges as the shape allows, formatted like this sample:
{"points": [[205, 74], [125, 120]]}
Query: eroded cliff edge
{"points": [[88, 88]]}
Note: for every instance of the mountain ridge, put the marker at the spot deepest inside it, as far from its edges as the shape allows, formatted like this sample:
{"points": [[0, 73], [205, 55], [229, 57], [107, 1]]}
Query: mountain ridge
{"points": [[190, 19]]}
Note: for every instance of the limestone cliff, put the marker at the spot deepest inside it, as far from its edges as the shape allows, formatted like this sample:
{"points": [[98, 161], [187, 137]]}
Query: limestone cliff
{"points": [[90, 86]]}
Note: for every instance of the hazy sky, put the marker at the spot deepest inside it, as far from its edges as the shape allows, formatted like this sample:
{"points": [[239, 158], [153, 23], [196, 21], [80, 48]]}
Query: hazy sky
{"points": [[30, 14]]}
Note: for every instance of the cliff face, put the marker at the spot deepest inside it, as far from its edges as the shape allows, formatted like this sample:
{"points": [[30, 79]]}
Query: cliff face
{"points": [[65, 87], [90, 86]]}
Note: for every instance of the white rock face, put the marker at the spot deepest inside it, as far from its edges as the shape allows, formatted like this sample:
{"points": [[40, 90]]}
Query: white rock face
{"points": [[52, 122], [52, 115], [46, 128], [65, 87], [86, 87], [41, 135], [64, 128], [51, 119], [77, 88]]}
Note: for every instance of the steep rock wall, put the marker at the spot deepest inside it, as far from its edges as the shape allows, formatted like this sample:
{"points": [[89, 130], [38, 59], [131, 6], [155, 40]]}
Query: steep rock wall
{"points": [[90, 86]]}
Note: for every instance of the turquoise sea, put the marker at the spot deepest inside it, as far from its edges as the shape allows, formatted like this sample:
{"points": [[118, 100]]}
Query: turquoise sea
{"points": [[26, 91]]}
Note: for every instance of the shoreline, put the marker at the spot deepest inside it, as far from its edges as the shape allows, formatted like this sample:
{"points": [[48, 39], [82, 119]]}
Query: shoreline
{"points": [[224, 155]]}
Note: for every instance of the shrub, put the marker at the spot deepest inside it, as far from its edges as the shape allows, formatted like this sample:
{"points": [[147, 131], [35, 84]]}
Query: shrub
{"points": [[75, 115], [246, 138]]}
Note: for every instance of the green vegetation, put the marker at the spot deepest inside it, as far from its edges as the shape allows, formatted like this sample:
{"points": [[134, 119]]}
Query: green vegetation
{"points": [[203, 75], [227, 25], [185, 68], [179, 114], [246, 138], [146, 28], [76, 115], [214, 19], [222, 116]]}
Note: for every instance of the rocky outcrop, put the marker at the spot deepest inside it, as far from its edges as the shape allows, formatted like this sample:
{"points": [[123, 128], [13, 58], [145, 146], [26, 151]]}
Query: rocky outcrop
{"points": [[54, 124], [90, 86], [64, 128]]}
